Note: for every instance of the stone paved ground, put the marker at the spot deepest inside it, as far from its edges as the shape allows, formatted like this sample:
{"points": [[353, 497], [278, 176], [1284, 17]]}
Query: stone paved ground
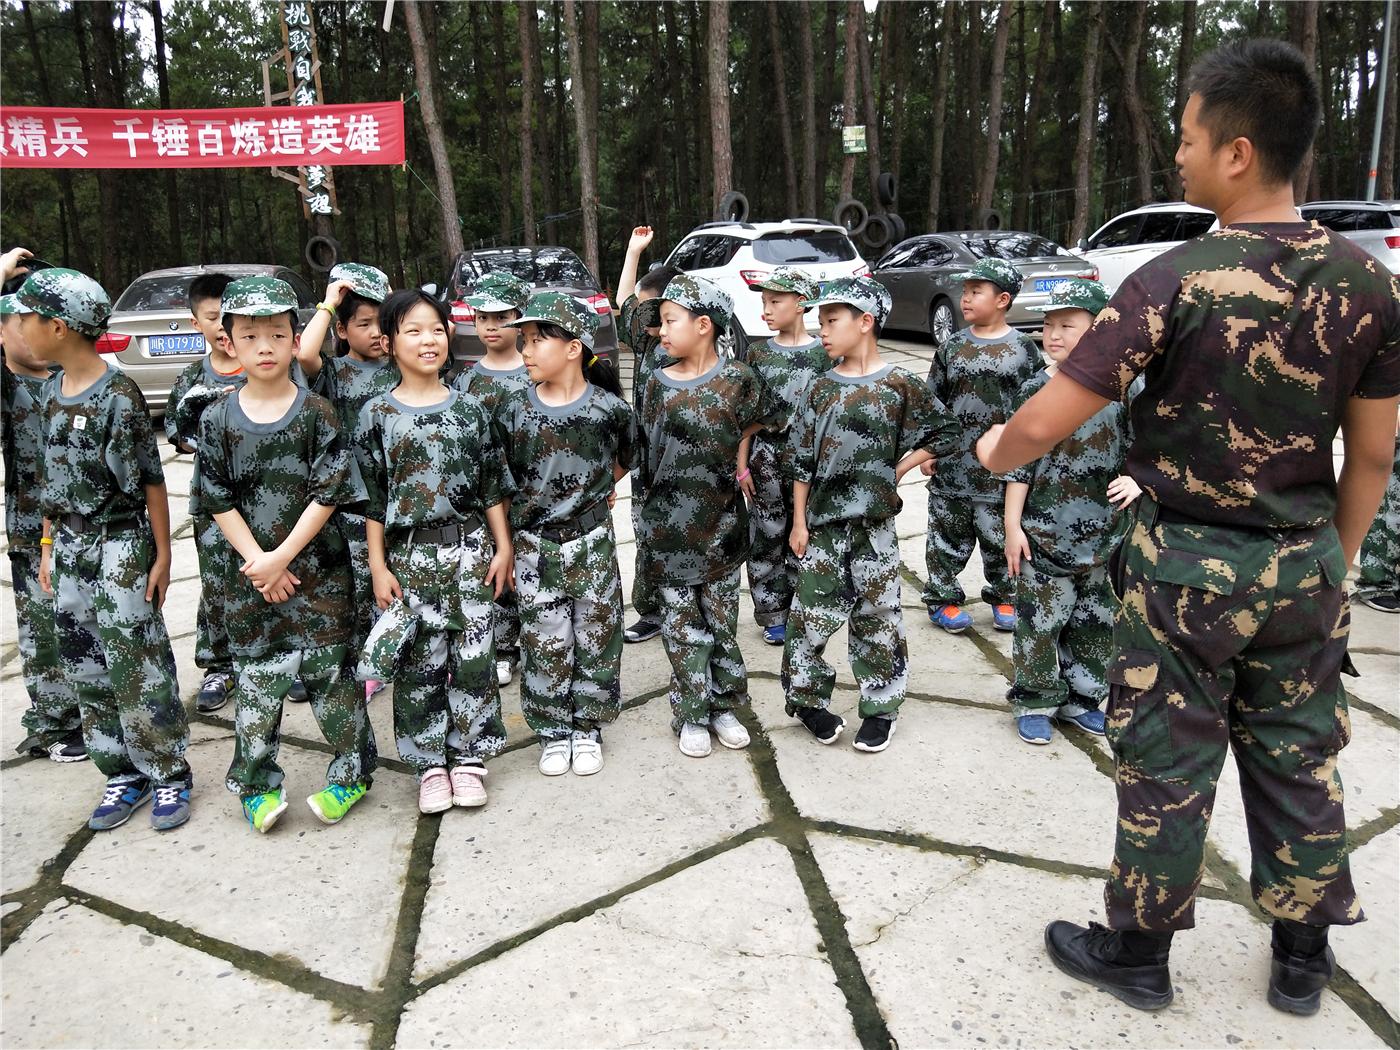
{"points": [[788, 895]]}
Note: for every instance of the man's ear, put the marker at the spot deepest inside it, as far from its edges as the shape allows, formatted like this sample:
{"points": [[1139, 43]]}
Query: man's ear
{"points": [[1239, 156]]}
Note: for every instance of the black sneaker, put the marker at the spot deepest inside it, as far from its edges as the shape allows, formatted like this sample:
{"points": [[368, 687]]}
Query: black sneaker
{"points": [[820, 722], [875, 733], [297, 693], [69, 748], [1383, 602], [1097, 956], [645, 627], [1301, 967], [214, 691]]}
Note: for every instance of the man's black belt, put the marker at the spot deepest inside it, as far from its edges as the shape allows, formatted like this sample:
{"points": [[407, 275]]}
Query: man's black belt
{"points": [[453, 535]]}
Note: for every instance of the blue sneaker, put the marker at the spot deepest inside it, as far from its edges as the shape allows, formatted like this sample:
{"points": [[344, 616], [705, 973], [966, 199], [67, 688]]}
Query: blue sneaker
{"points": [[172, 806], [951, 618], [1034, 729], [775, 634], [119, 801], [1091, 721], [1004, 617]]}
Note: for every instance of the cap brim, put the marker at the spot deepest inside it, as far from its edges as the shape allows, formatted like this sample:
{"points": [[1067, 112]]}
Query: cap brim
{"points": [[586, 338], [267, 310], [489, 305], [829, 300], [1046, 308]]}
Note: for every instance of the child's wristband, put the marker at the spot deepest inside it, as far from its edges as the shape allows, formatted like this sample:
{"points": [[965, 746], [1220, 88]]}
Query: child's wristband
{"points": [[326, 307], [741, 477], [46, 541]]}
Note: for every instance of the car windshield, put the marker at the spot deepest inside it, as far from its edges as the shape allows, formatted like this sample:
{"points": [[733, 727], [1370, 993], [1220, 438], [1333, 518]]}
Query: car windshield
{"points": [[1349, 220], [1011, 246], [546, 267], [813, 246], [156, 293]]}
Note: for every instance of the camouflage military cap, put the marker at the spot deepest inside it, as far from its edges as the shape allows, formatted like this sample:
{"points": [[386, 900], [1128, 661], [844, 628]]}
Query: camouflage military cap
{"points": [[72, 297], [570, 314], [998, 271], [864, 293], [9, 305], [368, 282], [498, 291], [700, 296], [258, 297], [1077, 294], [788, 279], [648, 312]]}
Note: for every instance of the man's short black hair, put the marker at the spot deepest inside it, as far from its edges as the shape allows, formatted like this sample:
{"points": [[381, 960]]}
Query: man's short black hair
{"points": [[656, 280], [397, 306], [208, 286], [1264, 91]]}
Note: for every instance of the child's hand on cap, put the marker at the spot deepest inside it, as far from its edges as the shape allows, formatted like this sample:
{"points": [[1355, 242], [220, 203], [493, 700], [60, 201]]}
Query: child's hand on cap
{"points": [[10, 262], [336, 291]]}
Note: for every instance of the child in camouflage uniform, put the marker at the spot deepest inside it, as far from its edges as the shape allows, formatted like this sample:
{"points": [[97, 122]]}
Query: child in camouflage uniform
{"points": [[52, 718], [976, 374], [785, 364], [695, 413], [1063, 522], [274, 466], [862, 426], [349, 382], [435, 484], [105, 555], [567, 440], [1379, 583], [497, 298]]}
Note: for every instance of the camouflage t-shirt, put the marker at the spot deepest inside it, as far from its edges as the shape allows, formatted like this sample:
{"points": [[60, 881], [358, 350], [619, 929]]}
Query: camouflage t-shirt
{"points": [[560, 458], [786, 372], [852, 431], [23, 398], [270, 473], [428, 465], [647, 347], [1252, 338], [489, 385], [350, 384], [99, 451], [694, 525], [195, 389], [977, 379]]}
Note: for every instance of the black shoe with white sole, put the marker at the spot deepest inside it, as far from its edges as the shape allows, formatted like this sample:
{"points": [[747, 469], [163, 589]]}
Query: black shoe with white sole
{"points": [[646, 627], [875, 733], [820, 722]]}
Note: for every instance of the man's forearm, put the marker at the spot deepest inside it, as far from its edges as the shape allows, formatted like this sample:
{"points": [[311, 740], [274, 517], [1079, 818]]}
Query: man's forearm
{"points": [[1052, 415], [1360, 488]]}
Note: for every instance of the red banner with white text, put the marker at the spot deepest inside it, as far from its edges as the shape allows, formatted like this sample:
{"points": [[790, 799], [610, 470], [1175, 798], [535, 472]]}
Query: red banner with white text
{"points": [[255, 136]]}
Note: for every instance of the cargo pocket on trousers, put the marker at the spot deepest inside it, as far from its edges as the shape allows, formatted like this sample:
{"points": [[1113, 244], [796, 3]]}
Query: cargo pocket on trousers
{"points": [[1139, 724]]}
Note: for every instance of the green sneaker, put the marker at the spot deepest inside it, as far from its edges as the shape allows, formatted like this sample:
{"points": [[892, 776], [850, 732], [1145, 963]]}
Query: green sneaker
{"points": [[263, 810], [335, 801]]}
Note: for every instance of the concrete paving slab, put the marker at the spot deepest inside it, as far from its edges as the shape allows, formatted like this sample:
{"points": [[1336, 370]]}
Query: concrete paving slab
{"points": [[44, 804], [1374, 630], [1370, 951], [722, 954], [1379, 682]]}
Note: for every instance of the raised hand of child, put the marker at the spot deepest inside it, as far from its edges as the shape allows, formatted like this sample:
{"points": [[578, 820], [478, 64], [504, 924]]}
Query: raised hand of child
{"points": [[640, 239], [12, 262], [335, 292], [1122, 490], [1017, 547]]}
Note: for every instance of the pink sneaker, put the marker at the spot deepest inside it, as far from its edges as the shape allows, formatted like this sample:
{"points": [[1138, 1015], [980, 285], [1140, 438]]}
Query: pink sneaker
{"points": [[434, 792], [467, 787], [373, 688]]}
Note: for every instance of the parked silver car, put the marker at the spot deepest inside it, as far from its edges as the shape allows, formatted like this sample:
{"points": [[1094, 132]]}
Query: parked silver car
{"points": [[1373, 225], [151, 334], [920, 273]]}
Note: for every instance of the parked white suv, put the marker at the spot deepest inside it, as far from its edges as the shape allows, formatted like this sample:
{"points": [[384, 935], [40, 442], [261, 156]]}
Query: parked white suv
{"points": [[734, 255], [1373, 225], [1124, 243]]}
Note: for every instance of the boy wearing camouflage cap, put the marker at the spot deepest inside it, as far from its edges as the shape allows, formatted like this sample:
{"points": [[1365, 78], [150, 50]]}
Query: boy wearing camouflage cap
{"points": [[695, 413], [862, 426], [1379, 583], [976, 373], [1064, 520], [785, 365], [105, 555], [274, 466]]}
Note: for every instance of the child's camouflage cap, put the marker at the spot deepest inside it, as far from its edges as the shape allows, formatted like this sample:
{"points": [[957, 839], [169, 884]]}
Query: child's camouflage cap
{"points": [[1077, 294], [9, 305], [788, 279], [998, 271], [575, 317], [864, 293], [258, 297], [497, 291], [368, 282], [67, 295], [700, 296]]}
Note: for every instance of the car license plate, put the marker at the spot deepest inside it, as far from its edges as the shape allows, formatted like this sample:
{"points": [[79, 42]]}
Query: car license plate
{"points": [[184, 343], [1049, 284]]}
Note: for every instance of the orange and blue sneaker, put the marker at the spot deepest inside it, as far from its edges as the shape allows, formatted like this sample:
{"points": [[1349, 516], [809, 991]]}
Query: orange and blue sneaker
{"points": [[1004, 617], [333, 801], [951, 618], [262, 810]]}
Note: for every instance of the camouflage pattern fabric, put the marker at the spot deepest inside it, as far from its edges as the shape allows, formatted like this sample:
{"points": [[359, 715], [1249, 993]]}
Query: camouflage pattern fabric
{"points": [[349, 384], [955, 524], [645, 599], [258, 296], [850, 575], [864, 293], [491, 386], [23, 398], [698, 632], [218, 564], [570, 632], [789, 279], [498, 292], [368, 282], [1380, 551], [337, 702], [1229, 639], [115, 652], [72, 297], [196, 388], [1064, 635], [558, 308], [1000, 272], [1078, 293], [634, 317], [53, 705]]}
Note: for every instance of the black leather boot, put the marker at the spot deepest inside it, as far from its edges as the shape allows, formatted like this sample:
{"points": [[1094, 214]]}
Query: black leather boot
{"points": [[1302, 966], [1130, 965]]}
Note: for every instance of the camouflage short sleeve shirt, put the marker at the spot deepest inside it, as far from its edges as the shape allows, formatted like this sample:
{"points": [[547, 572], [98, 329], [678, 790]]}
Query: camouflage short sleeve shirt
{"points": [[647, 347], [852, 431], [430, 465], [99, 450], [560, 458], [24, 408], [1252, 338], [491, 386], [349, 384], [786, 372], [978, 379], [195, 389], [270, 473]]}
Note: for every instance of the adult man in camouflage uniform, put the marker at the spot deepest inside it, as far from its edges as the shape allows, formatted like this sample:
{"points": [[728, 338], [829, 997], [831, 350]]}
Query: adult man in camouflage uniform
{"points": [[107, 518], [1379, 585], [1234, 622]]}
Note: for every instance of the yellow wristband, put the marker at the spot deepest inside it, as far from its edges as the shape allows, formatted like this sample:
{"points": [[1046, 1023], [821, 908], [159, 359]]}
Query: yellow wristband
{"points": [[326, 307], [46, 541]]}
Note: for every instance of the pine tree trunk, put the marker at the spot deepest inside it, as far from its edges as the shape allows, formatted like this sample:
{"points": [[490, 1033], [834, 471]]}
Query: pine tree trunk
{"points": [[995, 86], [1139, 127], [1302, 19], [902, 51], [1385, 174], [784, 120], [588, 186], [1025, 183], [722, 148], [828, 146], [1088, 117], [104, 48], [437, 144], [172, 197], [525, 17], [855, 12], [498, 34], [809, 116], [944, 58], [872, 117]]}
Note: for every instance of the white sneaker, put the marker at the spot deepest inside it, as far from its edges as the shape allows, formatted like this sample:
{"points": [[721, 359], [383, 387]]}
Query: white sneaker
{"points": [[554, 760], [729, 729], [588, 755], [695, 740], [505, 671]]}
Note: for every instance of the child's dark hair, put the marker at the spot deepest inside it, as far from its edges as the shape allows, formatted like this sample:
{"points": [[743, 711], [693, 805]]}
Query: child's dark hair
{"points": [[656, 280], [858, 313], [395, 308], [597, 371], [207, 286], [349, 306], [226, 321]]}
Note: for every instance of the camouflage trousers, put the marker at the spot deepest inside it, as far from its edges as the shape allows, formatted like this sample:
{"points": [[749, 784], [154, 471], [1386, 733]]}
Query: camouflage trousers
{"points": [[850, 575], [954, 523], [115, 652], [645, 601], [211, 648], [1064, 634], [505, 615], [447, 706], [570, 632], [53, 705], [772, 566], [352, 528], [1380, 550], [698, 633], [1229, 639], [337, 703]]}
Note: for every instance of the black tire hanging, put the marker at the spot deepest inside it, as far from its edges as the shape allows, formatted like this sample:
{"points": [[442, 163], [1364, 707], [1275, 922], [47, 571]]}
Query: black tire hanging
{"points": [[884, 188], [317, 244], [877, 231], [733, 207], [851, 214]]}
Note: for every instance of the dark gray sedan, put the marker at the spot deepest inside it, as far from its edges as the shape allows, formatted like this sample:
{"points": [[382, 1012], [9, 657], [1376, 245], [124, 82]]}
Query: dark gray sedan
{"points": [[920, 274]]}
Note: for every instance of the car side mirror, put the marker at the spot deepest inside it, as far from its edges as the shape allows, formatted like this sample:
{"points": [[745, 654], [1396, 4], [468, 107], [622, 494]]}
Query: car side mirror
{"points": [[430, 288], [1082, 245]]}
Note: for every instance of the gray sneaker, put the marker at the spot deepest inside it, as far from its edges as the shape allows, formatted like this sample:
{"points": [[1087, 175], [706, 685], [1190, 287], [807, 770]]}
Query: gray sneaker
{"points": [[695, 740], [119, 801], [172, 806]]}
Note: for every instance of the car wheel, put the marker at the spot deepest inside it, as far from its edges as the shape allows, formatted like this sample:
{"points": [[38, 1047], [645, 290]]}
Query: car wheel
{"points": [[941, 322]]}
